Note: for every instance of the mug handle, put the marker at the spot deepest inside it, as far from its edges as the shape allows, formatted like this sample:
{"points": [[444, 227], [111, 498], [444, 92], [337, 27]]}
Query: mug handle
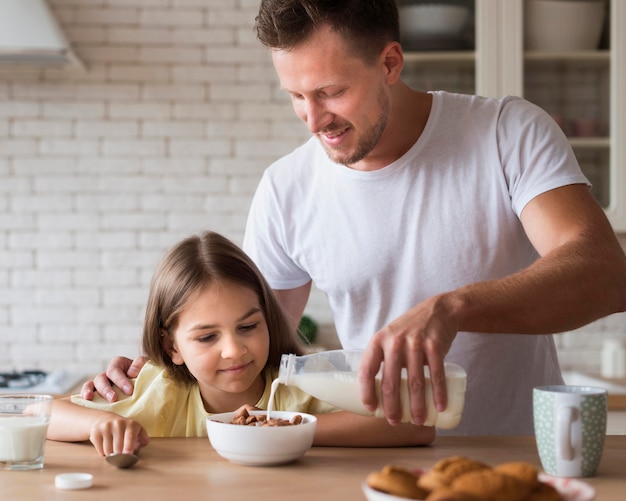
{"points": [[565, 417]]}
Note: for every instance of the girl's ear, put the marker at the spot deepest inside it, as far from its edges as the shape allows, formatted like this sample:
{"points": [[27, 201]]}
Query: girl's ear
{"points": [[170, 348]]}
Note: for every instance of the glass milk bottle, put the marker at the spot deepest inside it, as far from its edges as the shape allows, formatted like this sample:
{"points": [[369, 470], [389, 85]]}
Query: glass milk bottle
{"points": [[331, 376]]}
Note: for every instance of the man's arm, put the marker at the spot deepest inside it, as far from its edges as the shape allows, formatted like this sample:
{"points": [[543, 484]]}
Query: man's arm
{"points": [[580, 277], [294, 301]]}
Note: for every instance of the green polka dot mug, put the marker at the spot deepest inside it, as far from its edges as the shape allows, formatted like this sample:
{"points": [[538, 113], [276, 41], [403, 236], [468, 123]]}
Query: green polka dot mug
{"points": [[570, 425]]}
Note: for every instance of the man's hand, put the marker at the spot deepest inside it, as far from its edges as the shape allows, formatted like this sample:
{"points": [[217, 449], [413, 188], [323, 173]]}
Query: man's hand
{"points": [[422, 336], [119, 372], [112, 434]]}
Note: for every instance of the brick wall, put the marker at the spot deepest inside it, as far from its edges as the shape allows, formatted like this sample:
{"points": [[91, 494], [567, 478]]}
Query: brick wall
{"points": [[166, 133]]}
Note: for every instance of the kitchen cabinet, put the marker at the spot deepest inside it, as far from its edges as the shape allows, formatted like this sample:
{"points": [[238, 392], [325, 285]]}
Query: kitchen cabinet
{"points": [[585, 89]]}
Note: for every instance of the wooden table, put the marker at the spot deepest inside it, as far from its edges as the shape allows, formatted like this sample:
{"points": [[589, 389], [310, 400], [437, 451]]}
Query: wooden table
{"points": [[189, 469]]}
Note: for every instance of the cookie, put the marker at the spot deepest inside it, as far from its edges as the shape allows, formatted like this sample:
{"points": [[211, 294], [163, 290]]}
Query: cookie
{"points": [[525, 472], [489, 484], [544, 492], [446, 470], [396, 481]]}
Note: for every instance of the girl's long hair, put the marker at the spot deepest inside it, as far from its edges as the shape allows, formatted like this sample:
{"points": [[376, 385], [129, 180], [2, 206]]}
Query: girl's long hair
{"points": [[191, 265]]}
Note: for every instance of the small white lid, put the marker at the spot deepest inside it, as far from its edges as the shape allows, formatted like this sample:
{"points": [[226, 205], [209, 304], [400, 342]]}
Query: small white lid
{"points": [[70, 481]]}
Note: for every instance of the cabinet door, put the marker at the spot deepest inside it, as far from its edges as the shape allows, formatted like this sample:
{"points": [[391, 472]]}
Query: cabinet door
{"points": [[582, 89]]}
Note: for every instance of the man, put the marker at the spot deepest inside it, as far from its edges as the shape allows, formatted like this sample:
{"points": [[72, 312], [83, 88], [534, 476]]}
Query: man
{"points": [[440, 226]]}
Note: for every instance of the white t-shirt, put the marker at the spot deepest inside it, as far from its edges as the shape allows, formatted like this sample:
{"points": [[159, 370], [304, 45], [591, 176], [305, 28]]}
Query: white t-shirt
{"points": [[444, 215]]}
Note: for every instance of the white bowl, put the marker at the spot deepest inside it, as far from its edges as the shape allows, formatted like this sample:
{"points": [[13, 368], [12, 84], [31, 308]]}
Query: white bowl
{"points": [[563, 25], [374, 495], [428, 20], [261, 445]]}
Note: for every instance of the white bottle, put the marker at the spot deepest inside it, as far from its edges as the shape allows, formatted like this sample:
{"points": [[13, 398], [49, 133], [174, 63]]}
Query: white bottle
{"points": [[331, 376], [613, 359]]}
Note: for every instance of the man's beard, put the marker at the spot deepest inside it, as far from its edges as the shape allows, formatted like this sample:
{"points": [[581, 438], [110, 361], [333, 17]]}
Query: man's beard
{"points": [[365, 144]]}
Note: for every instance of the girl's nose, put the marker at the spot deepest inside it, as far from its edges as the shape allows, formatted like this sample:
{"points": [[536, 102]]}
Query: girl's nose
{"points": [[232, 347]]}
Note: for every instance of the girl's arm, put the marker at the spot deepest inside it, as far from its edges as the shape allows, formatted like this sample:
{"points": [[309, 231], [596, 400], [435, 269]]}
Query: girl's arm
{"points": [[107, 431], [344, 429]]}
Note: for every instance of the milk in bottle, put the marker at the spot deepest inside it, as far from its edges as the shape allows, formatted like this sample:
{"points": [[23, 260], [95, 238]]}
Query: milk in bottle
{"points": [[331, 376]]}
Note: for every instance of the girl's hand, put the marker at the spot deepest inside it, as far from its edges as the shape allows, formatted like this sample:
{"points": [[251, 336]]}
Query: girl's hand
{"points": [[112, 433]]}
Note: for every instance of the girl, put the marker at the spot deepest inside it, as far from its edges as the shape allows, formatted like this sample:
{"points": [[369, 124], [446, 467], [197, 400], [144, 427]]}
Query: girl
{"points": [[214, 334]]}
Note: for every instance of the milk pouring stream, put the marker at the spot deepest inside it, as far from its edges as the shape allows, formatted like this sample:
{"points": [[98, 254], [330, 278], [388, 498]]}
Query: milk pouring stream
{"points": [[331, 376]]}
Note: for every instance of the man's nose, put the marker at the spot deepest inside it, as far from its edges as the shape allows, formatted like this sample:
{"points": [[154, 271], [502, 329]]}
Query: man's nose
{"points": [[317, 117]]}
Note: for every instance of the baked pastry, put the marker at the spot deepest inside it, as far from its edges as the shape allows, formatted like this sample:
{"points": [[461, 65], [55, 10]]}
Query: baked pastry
{"points": [[446, 470], [489, 484], [521, 470], [459, 478], [396, 481]]}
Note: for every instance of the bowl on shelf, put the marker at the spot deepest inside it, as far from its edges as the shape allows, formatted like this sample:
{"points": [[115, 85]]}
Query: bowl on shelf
{"points": [[261, 445], [563, 25], [425, 20]]}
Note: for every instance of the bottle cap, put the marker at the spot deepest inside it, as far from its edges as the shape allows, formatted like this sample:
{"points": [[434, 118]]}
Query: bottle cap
{"points": [[71, 481]]}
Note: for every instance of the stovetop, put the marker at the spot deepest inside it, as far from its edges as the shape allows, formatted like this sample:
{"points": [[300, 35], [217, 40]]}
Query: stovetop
{"points": [[37, 381]]}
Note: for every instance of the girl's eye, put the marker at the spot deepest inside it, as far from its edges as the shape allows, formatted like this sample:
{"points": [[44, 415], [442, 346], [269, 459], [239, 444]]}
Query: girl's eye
{"points": [[248, 327], [207, 338]]}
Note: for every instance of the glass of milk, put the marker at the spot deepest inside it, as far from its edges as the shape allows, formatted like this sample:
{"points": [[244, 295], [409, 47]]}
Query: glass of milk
{"points": [[23, 424]]}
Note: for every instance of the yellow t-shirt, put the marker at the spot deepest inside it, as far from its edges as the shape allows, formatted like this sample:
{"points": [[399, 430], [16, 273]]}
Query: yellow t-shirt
{"points": [[166, 408]]}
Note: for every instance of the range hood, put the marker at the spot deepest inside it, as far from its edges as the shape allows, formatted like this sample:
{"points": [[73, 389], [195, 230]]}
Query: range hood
{"points": [[31, 36]]}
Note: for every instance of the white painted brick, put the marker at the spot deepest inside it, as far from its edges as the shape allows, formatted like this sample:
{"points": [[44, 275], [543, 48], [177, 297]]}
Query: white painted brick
{"points": [[16, 334], [186, 202], [73, 110], [83, 35], [46, 258], [72, 221], [41, 128], [136, 147], [269, 149], [229, 55], [117, 314], [172, 129], [35, 166], [107, 129], [173, 93], [127, 296], [184, 55], [115, 54], [139, 110], [197, 73], [169, 17], [118, 16], [68, 147], [38, 240], [76, 296], [133, 73], [95, 165], [240, 92], [18, 147], [43, 278], [214, 111], [139, 35], [110, 91], [214, 36], [70, 334], [117, 277], [19, 222], [193, 185], [188, 165], [123, 221], [209, 147], [228, 17]]}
